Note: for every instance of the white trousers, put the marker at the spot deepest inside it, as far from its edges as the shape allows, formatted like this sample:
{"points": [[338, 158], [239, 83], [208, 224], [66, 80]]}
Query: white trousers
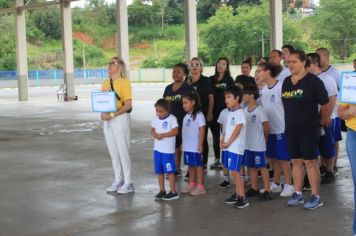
{"points": [[117, 132]]}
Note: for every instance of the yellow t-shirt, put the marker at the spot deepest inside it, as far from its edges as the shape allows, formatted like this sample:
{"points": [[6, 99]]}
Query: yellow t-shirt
{"points": [[351, 123], [122, 87]]}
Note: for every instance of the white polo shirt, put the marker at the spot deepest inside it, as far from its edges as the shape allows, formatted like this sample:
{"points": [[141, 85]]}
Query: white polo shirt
{"points": [[165, 145], [255, 138], [235, 118], [191, 133], [273, 107]]}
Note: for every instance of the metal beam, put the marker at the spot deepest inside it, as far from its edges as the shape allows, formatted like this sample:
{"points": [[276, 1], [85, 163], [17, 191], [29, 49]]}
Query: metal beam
{"points": [[21, 53], [67, 39], [191, 35], [123, 33]]}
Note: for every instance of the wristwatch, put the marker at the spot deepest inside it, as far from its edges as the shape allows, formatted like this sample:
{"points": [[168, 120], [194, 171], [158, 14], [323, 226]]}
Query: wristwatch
{"points": [[112, 114]]}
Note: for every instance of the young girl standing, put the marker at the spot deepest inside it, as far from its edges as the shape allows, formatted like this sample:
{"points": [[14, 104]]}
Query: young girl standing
{"points": [[193, 133], [164, 128]]}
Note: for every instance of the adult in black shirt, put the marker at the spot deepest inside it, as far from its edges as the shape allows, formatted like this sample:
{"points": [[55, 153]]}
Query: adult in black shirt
{"points": [[173, 94], [206, 94], [302, 92], [245, 78], [220, 81]]}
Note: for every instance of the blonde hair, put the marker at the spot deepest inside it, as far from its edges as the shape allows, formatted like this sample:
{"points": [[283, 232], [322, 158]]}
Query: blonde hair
{"points": [[122, 66], [200, 62]]}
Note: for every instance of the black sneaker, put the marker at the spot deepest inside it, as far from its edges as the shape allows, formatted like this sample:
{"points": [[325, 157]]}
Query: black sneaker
{"points": [[232, 199], [171, 196], [252, 193], [322, 170], [178, 173], [242, 202], [186, 177], [224, 184], [160, 195], [328, 178], [216, 165], [306, 185], [266, 195]]}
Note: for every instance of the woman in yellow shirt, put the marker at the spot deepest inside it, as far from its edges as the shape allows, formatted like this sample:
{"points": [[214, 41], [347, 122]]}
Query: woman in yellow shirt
{"points": [[348, 113], [117, 127]]}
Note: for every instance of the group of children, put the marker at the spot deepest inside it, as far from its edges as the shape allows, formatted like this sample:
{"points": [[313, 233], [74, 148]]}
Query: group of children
{"points": [[239, 148]]}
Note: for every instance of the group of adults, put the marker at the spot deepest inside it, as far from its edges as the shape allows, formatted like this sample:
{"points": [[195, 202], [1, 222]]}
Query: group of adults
{"points": [[307, 104]]}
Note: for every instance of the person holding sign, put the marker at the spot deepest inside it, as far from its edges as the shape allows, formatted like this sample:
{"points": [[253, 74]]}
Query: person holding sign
{"points": [[347, 112], [117, 126]]}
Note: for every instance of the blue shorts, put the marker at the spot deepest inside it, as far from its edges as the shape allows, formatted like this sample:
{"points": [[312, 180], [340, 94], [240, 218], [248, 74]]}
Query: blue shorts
{"points": [[277, 147], [164, 163], [255, 159], [327, 143], [193, 159], [224, 158], [234, 161], [337, 132]]}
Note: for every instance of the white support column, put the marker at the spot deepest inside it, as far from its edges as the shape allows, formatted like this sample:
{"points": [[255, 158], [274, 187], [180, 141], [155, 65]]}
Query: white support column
{"points": [[276, 24], [191, 33], [67, 39], [123, 32], [21, 52]]}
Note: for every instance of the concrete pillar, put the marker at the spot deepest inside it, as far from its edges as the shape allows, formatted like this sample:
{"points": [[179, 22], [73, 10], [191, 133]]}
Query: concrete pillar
{"points": [[67, 40], [276, 24], [191, 33], [21, 52], [123, 32]]}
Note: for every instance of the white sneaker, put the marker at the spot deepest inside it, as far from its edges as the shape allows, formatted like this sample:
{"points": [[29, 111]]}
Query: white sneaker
{"points": [[288, 191], [126, 188], [115, 186], [274, 188]]}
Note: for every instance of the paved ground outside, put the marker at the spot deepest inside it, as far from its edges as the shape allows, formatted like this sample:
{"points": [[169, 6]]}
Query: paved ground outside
{"points": [[55, 167]]}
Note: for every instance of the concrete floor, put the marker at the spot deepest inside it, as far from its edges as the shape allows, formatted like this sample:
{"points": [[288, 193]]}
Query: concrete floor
{"points": [[54, 169]]}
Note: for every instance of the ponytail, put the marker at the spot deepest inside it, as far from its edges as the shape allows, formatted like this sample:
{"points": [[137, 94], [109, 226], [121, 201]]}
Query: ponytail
{"points": [[193, 96]]}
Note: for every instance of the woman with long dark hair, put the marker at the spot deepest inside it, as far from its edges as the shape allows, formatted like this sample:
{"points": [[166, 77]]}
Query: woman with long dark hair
{"points": [[220, 81]]}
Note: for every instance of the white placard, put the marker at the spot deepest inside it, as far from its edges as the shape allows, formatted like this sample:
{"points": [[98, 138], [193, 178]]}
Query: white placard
{"points": [[348, 88], [103, 101]]}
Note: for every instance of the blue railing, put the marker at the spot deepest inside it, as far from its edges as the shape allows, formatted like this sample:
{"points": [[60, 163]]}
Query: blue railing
{"points": [[56, 74]]}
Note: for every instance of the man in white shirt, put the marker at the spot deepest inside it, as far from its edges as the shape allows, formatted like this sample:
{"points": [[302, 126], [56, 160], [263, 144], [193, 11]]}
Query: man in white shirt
{"points": [[327, 138], [275, 58], [330, 70]]}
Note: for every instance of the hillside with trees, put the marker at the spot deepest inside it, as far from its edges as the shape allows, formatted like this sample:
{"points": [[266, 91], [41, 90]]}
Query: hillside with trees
{"points": [[233, 28]]}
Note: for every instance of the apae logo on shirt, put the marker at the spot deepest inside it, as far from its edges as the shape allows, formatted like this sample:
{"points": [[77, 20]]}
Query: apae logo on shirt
{"points": [[233, 121], [188, 122], [253, 118], [273, 98], [220, 85], [293, 94], [165, 125]]}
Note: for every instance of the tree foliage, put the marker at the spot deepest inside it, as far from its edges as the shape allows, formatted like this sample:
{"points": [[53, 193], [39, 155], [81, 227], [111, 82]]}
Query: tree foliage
{"points": [[336, 24]]}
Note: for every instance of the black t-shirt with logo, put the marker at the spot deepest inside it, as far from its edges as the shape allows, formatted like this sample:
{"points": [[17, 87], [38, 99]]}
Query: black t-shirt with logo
{"points": [[220, 87], [204, 89], [301, 102], [175, 99], [245, 80]]}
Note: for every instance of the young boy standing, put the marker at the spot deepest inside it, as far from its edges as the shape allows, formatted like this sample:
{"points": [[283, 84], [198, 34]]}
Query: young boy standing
{"points": [[255, 154], [234, 141]]}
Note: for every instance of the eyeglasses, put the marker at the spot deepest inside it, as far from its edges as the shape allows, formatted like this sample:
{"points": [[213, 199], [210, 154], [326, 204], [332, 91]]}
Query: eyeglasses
{"points": [[195, 65], [112, 63]]}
